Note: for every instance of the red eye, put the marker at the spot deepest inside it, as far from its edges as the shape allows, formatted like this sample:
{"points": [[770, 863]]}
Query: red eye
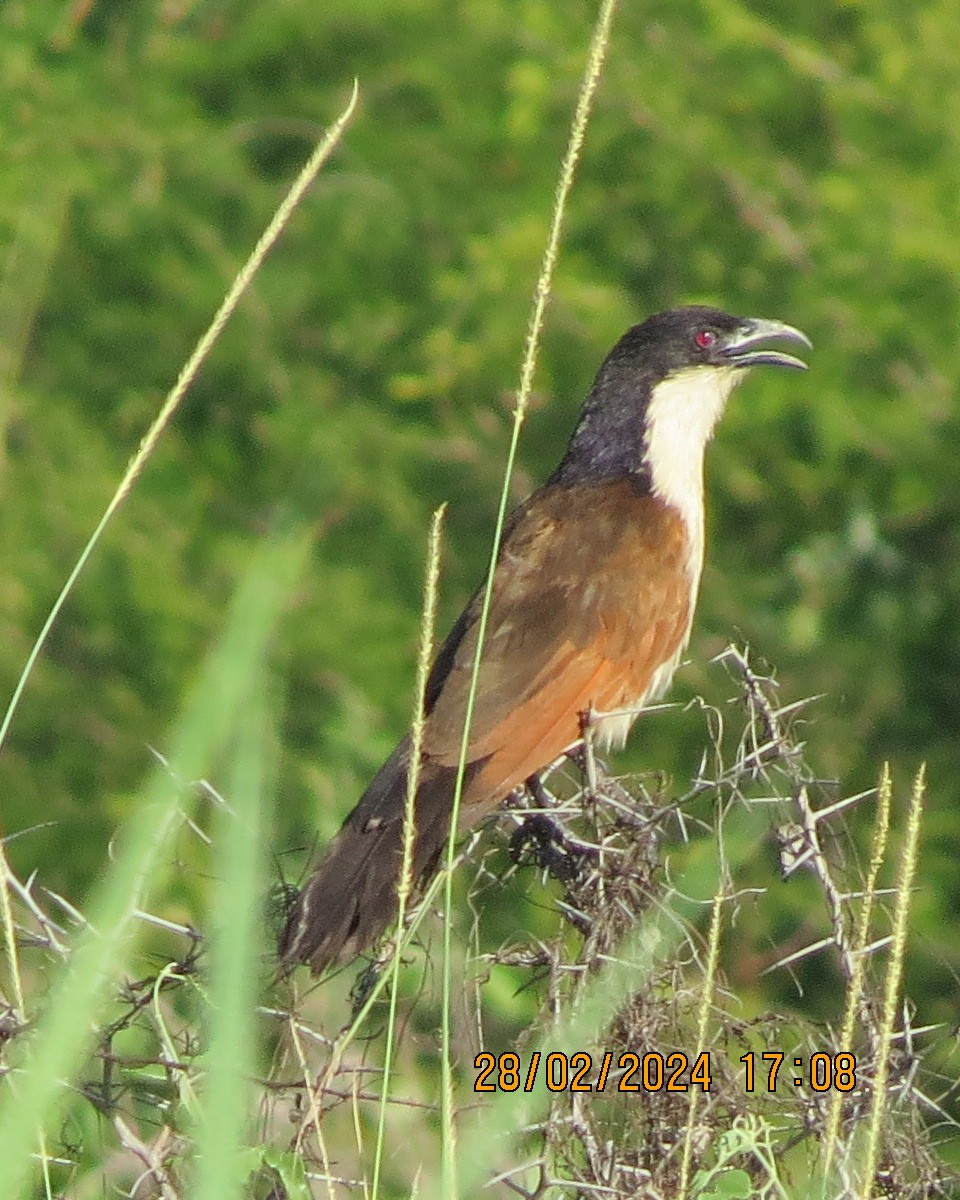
{"points": [[705, 338]]}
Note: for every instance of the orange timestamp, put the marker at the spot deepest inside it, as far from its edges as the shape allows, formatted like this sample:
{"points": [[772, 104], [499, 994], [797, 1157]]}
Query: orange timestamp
{"points": [[820, 1072], [625, 1072], [628, 1071]]}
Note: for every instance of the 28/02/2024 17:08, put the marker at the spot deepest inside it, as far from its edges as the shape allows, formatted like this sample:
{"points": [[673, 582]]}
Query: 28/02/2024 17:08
{"points": [[653, 1072]]}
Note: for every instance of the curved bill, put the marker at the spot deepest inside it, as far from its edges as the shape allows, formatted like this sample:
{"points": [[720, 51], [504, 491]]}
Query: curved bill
{"points": [[747, 345]]}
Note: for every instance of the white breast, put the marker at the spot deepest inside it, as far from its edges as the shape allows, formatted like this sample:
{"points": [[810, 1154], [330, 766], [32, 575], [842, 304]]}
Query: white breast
{"points": [[681, 416]]}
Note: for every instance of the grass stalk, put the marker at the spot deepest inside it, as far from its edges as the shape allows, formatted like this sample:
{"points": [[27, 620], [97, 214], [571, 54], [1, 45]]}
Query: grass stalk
{"points": [[442, 881], [854, 997], [706, 1002], [901, 915], [405, 888], [180, 388]]}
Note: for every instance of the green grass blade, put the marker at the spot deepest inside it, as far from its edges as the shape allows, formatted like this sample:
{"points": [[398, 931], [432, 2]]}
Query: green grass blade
{"points": [[35, 1093], [239, 838]]}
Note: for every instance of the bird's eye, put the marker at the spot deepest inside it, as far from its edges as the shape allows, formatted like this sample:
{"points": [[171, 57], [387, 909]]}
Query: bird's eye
{"points": [[705, 338]]}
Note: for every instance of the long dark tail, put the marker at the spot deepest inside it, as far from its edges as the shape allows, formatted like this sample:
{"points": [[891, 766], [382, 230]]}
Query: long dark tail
{"points": [[351, 897]]}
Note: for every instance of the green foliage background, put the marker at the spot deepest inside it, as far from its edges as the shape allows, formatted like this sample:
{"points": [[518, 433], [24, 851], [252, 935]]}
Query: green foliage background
{"points": [[787, 160]]}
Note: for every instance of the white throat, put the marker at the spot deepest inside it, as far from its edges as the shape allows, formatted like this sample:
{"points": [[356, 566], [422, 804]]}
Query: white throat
{"points": [[681, 416]]}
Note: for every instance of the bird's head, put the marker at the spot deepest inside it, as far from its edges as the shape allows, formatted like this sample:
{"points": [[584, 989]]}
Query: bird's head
{"points": [[661, 390], [699, 338]]}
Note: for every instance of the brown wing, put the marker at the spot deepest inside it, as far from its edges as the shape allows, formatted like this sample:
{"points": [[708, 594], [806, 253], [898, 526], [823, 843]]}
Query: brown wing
{"points": [[591, 595]]}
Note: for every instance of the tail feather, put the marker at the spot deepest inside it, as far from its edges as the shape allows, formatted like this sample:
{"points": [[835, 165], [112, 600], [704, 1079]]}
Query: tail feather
{"points": [[350, 900]]}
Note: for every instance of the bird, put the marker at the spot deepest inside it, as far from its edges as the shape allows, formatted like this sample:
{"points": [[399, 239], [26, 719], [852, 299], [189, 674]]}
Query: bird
{"points": [[591, 606]]}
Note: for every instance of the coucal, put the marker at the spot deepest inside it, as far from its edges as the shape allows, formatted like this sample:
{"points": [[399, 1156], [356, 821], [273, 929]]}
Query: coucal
{"points": [[592, 603]]}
